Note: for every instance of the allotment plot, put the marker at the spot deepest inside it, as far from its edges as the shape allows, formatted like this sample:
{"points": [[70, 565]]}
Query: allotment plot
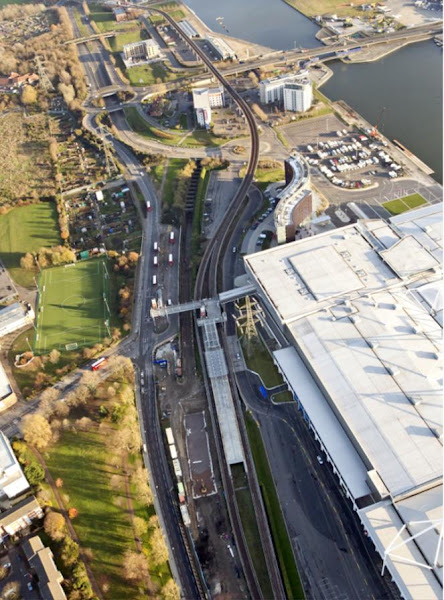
{"points": [[73, 307]]}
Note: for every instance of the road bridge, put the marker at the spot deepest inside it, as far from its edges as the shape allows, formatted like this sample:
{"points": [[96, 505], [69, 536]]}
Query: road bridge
{"points": [[90, 38]]}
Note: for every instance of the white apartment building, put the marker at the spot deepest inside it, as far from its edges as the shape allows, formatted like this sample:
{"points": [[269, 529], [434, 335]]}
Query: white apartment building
{"points": [[272, 90], [141, 50], [298, 96]]}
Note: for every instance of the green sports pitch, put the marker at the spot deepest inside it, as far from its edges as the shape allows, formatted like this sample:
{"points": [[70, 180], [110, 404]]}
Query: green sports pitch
{"points": [[73, 308]]}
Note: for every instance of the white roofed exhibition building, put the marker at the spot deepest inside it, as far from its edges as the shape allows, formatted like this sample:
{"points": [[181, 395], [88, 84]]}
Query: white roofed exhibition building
{"points": [[361, 308]]}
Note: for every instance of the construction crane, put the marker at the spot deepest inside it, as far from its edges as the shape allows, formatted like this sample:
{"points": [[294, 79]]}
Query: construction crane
{"points": [[374, 131]]}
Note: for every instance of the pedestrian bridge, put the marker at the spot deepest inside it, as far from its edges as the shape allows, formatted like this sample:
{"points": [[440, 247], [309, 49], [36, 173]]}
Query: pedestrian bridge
{"points": [[205, 304]]}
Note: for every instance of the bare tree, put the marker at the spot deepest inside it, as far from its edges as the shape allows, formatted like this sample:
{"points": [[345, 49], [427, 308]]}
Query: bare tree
{"points": [[135, 566], [36, 431], [54, 525], [170, 590], [159, 550]]}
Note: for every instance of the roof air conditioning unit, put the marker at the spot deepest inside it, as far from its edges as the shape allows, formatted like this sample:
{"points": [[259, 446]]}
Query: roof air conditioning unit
{"points": [[393, 371]]}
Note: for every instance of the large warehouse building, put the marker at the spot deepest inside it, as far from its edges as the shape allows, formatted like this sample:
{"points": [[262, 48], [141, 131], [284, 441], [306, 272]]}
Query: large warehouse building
{"points": [[361, 308]]}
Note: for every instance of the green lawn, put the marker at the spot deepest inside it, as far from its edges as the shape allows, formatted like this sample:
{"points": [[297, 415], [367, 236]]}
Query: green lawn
{"points": [[82, 460], [5, 2], [149, 74], [252, 537], [71, 307], [127, 37], [396, 207], [321, 7], [174, 166], [283, 397], [198, 137], [279, 531], [26, 229], [259, 360]]}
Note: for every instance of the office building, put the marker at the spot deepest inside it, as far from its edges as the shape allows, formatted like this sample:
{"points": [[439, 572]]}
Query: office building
{"points": [[141, 50], [204, 99]]}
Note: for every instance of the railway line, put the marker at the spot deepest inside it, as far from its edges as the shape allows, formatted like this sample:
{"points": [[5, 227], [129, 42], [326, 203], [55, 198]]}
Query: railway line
{"points": [[207, 285]]}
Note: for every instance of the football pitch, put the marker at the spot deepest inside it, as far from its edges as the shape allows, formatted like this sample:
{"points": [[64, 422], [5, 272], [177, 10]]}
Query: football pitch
{"points": [[73, 307]]}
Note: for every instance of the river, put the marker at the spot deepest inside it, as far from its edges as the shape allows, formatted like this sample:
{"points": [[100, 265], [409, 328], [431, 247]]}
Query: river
{"points": [[408, 83]]}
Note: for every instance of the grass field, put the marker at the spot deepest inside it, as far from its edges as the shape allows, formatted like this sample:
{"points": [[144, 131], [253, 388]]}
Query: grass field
{"points": [[397, 207], [321, 7], [198, 137], [26, 229], [279, 531], [73, 306], [126, 37], [5, 2], [82, 460], [260, 361], [148, 74], [252, 537]]}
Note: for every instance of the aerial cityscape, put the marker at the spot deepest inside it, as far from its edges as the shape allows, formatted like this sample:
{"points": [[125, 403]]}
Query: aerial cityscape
{"points": [[221, 300]]}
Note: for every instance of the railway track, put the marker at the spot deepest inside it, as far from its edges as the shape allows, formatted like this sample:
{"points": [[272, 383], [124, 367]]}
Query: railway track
{"points": [[207, 286]]}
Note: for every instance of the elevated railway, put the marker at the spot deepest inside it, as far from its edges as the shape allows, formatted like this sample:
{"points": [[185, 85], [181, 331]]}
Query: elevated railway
{"points": [[207, 285]]}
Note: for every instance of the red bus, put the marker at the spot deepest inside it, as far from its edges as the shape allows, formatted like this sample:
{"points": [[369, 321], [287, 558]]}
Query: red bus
{"points": [[98, 364]]}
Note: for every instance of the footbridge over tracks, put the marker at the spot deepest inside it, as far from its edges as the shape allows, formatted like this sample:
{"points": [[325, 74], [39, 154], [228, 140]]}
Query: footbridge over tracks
{"points": [[205, 305]]}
